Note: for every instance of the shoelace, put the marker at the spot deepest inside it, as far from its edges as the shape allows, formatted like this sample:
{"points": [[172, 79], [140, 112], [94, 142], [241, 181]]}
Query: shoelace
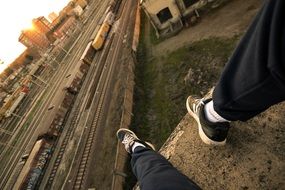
{"points": [[197, 103], [128, 140]]}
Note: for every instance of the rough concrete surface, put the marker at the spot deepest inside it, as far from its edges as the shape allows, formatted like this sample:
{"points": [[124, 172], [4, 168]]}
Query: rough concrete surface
{"points": [[253, 157]]}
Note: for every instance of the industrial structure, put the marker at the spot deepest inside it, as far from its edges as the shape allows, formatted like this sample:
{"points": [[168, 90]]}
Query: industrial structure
{"points": [[13, 101], [33, 39], [52, 16], [63, 28], [40, 37], [34, 165], [30, 165], [169, 16], [43, 26], [82, 3], [45, 33]]}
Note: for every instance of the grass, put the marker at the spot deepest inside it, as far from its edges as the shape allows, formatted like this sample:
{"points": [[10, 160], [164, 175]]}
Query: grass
{"points": [[153, 38], [161, 90], [162, 86]]}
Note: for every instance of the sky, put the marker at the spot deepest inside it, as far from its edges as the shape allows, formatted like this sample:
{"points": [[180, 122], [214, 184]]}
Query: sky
{"points": [[16, 16]]}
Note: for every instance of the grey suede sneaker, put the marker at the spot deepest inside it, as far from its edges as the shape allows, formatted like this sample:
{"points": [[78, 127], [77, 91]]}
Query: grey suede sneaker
{"points": [[210, 133], [128, 138]]}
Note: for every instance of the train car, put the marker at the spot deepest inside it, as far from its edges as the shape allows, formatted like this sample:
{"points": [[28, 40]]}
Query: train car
{"points": [[34, 165], [88, 54], [110, 18], [108, 9], [57, 124], [95, 32], [84, 67], [17, 102], [115, 5], [101, 36], [74, 84]]}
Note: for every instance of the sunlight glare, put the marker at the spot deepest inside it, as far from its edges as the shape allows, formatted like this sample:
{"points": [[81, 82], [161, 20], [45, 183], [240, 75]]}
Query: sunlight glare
{"points": [[29, 26], [18, 19]]}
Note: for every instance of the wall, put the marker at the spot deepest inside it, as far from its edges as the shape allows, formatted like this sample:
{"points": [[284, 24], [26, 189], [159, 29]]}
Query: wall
{"points": [[154, 6]]}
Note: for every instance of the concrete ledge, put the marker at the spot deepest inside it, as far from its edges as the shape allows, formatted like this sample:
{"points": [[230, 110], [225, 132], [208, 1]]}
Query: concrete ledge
{"points": [[252, 159]]}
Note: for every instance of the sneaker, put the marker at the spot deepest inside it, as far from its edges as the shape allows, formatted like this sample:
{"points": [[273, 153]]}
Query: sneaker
{"points": [[128, 138], [210, 133]]}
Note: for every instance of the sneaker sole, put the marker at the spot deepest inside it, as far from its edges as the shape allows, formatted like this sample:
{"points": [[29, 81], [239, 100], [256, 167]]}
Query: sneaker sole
{"points": [[202, 135], [126, 130], [148, 143]]}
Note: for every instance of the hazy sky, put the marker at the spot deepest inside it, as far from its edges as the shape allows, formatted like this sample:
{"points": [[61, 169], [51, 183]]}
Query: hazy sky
{"points": [[16, 16]]}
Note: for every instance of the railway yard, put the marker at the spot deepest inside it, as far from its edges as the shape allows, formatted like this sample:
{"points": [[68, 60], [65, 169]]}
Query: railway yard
{"points": [[54, 139]]}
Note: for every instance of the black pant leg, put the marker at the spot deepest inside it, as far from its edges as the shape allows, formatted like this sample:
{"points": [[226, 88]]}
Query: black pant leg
{"points": [[154, 172], [254, 77]]}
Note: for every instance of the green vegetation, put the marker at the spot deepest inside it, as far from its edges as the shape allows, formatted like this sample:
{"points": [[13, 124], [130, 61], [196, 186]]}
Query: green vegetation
{"points": [[153, 38], [163, 84]]}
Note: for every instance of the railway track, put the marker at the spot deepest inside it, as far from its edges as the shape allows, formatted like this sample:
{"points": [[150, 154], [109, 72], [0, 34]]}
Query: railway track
{"points": [[15, 156], [71, 127], [88, 145], [89, 89], [85, 157], [7, 171], [91, 78], [10, 123], [61, 151], [15, 123]]}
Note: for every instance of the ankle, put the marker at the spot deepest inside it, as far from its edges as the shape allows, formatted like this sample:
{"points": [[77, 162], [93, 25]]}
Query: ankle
{"points": [[135, 145], [211, 115]]}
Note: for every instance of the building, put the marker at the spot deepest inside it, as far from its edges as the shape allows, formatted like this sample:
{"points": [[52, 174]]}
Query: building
{"points": [[52, 16], [188, 7], [78, 11], [43, 26], [33, 39], [169, 16], [67, 10], [67, 25], [56, 21], [81, 3]]}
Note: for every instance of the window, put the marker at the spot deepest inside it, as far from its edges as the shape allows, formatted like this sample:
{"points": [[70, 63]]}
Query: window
{"points": [[164, 15], [188, 3]]}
